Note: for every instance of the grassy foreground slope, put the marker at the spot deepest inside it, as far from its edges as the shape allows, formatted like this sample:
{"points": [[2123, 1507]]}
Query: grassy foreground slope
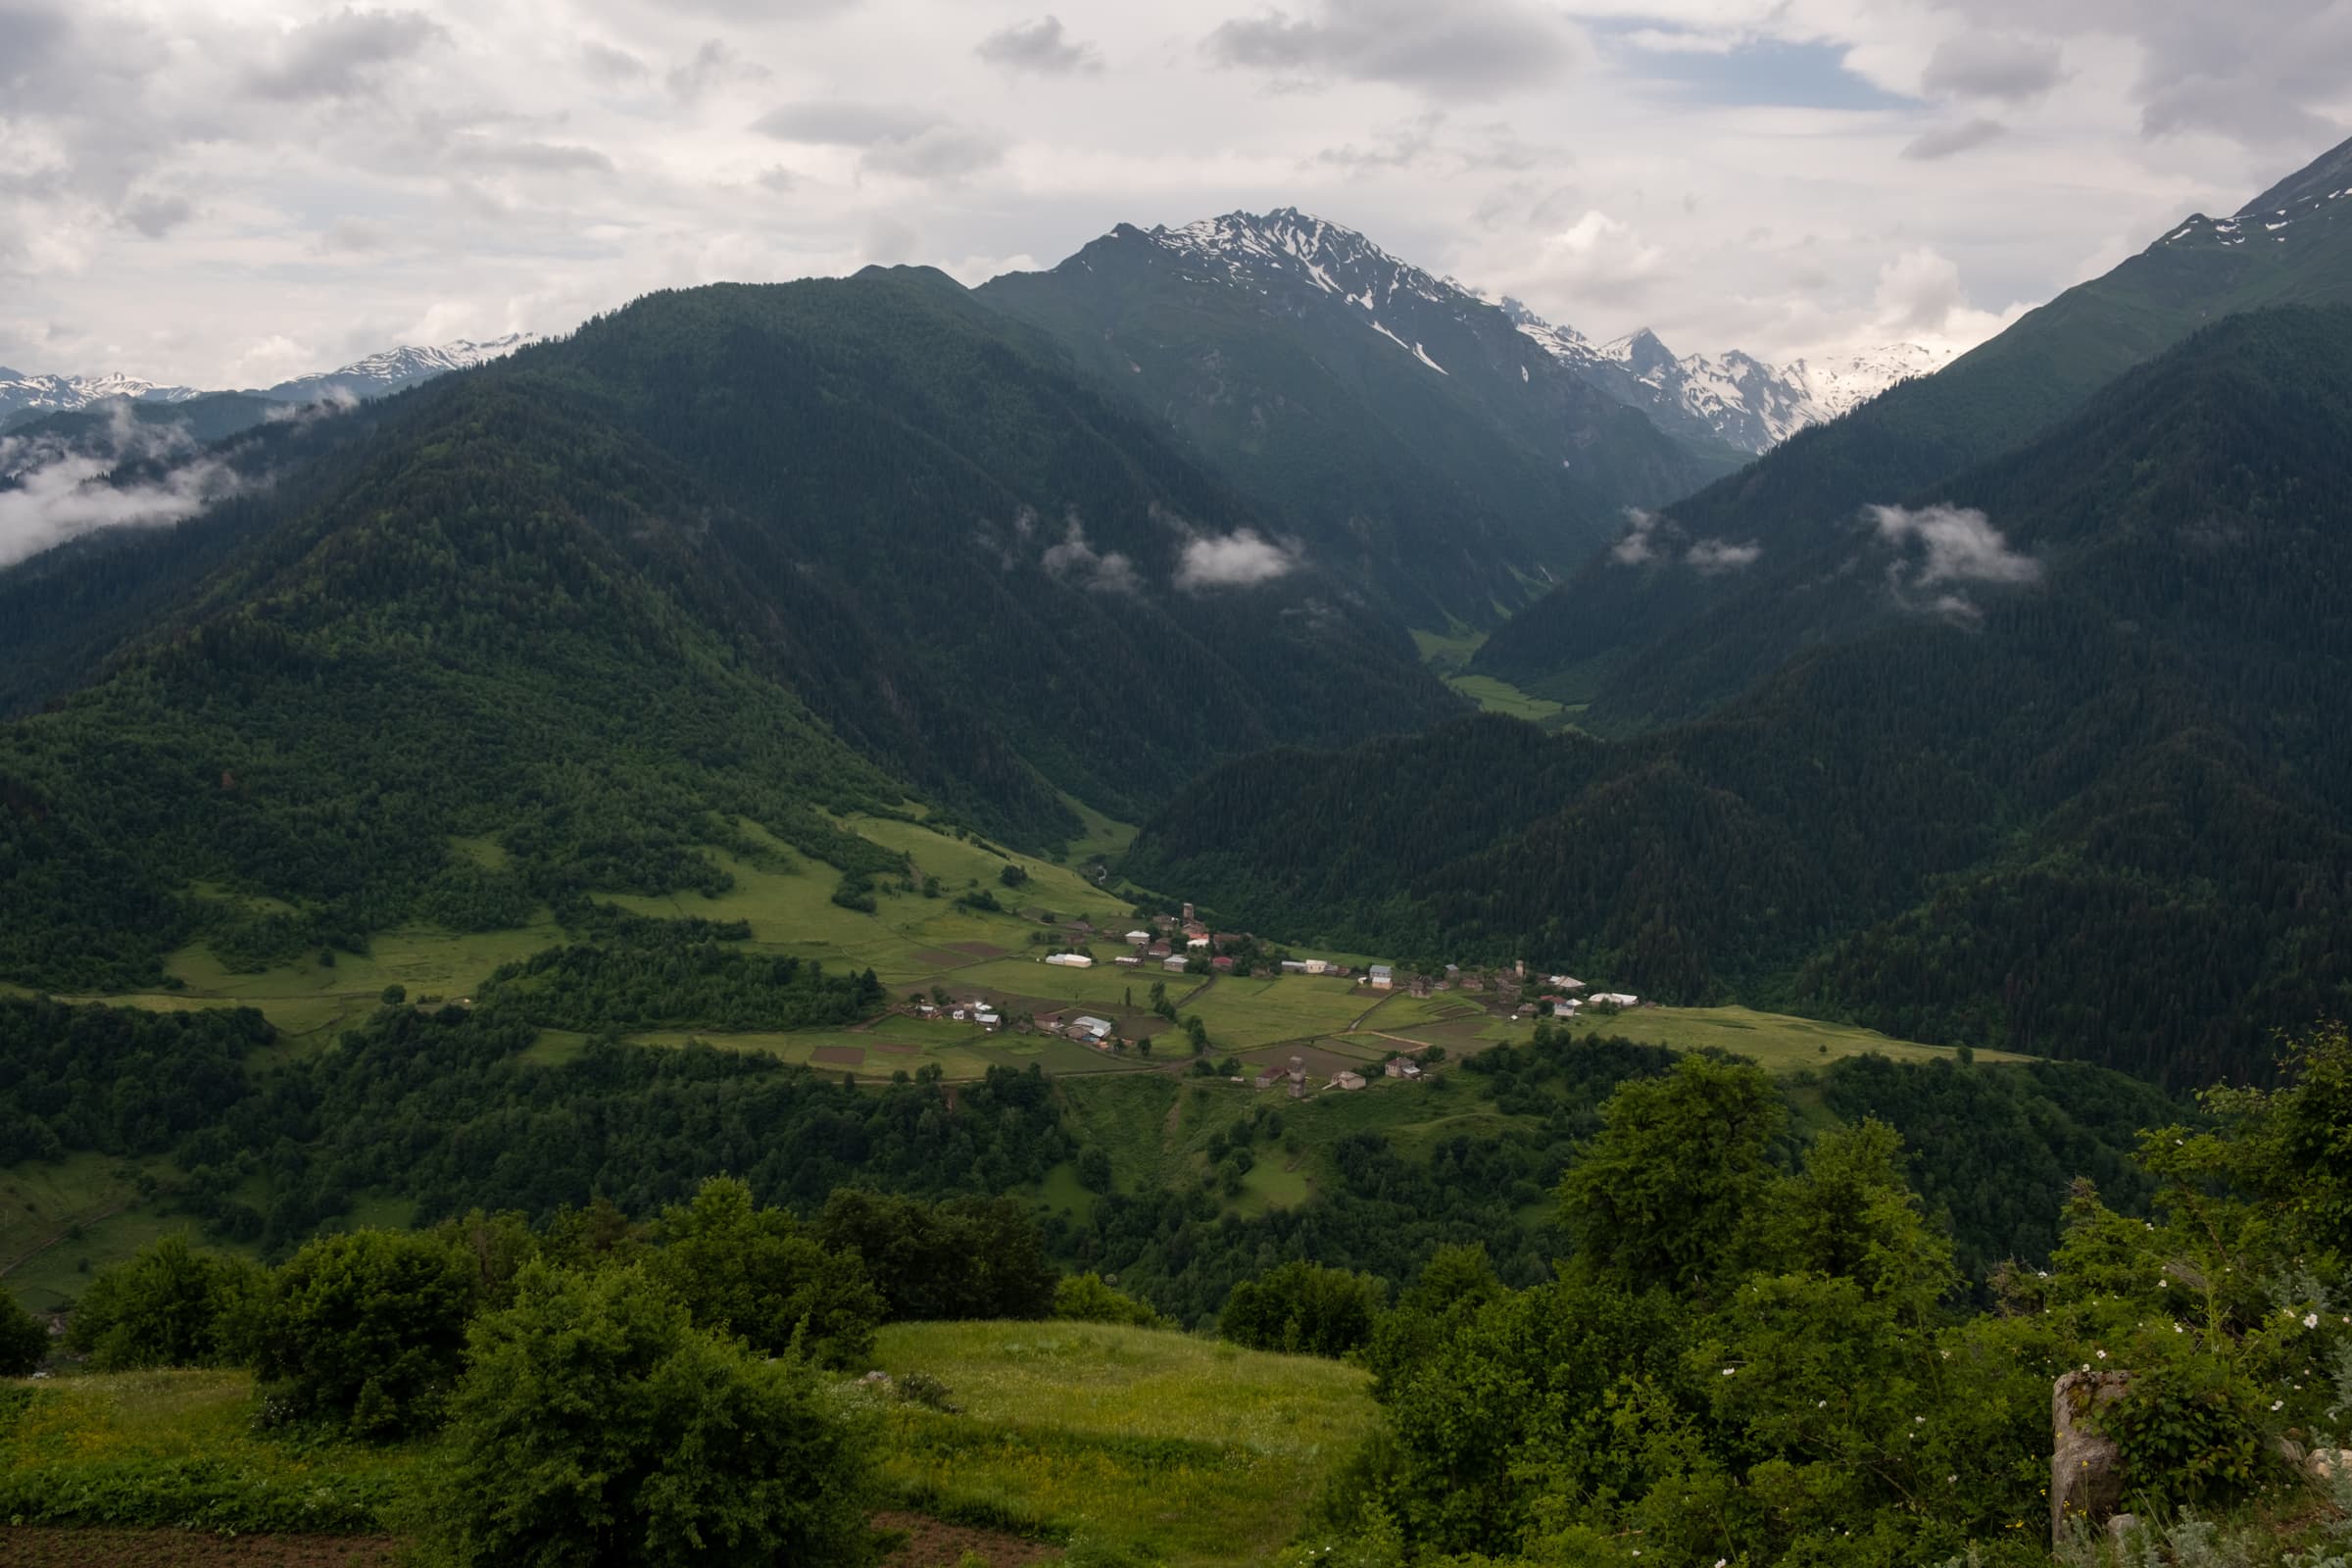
{"points": [[1172, 1448]]}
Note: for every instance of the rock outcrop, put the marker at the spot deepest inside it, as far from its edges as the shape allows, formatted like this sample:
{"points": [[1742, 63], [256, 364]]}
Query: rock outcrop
{"points": [[2086, 1471]]}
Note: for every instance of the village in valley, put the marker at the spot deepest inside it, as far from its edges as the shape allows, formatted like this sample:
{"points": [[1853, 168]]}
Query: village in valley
{"points": [[1179, 961]]}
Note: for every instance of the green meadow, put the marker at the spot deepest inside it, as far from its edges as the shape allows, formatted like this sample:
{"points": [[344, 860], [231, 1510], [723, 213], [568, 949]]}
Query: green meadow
{"points": [[1152, 1443], [1158, 1444]]}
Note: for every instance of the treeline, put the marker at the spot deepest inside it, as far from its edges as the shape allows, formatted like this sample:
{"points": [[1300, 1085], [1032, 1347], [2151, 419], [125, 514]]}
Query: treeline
{"points": [[448, 1109]]}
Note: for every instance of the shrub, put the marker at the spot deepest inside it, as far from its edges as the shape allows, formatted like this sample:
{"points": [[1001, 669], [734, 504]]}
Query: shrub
{"points": [[1086, 1298], [1304, 1309], [597, 1425], [755, 1272], [367, 1330], [24, 1339], [166, 1306]]}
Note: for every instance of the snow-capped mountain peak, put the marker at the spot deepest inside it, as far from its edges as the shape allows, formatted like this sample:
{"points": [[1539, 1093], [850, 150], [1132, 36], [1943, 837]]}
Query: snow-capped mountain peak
{"points": [[30, 396], [393, 368]]}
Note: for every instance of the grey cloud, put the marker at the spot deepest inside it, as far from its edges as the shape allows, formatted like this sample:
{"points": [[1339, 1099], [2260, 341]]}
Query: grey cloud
{"points": [[31, 37], [1638, 546], [1073, 559], [843, 122], [1711, 558], [777, 177], [337, 56], [1242, 558], [354, 235], [938, 153], [530, 157], [1947, 141], [1981, 64], [613, 66], [1958, 544], [1041, 46], [714, 65], [1469, 46], [155, 215]]}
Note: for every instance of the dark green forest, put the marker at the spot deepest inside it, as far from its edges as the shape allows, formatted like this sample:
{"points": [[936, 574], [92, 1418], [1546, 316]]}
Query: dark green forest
{"points": [[2100, 814]]}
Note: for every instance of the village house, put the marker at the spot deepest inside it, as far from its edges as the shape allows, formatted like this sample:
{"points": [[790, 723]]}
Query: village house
{"points": [[1071, 961], [1127, 960], [1199, 942], [1138, 938], [1221, 963], [1272, 1077], [1420, 985], [1158, 949], [1292, 966], [1347, 1079], [1093, 1031], [987, 1019], [1174, 966], [1612, 999], [1403, 1067], [926, 1010], [1564, 982], [1382, 977]]}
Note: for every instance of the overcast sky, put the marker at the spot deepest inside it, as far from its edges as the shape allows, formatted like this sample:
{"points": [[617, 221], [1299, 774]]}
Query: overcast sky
{"points": [[233, 192]]}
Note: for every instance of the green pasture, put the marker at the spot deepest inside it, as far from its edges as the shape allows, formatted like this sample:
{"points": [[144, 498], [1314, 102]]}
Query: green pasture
{"points": [[1242, 1014], [1777, 1040], [61, 1221], [1156, 1444]]}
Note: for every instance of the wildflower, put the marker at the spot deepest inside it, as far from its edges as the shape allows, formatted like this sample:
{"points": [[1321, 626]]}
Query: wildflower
{"points": [[2311, 1320], [2102, 1355], [2275, 1403], [1727, 1371], [1919, 1420], [2178, 1329]]}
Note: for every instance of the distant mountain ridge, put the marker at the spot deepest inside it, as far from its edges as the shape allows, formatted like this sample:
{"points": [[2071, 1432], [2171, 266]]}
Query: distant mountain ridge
{"points": [[26, 398], [1734, 398]]}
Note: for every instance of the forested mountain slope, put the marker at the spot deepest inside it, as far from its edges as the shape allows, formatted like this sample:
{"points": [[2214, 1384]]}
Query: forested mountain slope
{"points": [[750, 553], [1607, 632], [1426, 450], [2089, 796]]}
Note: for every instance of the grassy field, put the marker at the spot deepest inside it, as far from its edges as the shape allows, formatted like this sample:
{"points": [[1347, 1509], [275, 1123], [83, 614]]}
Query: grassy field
{"points": [[1241, 1014], [1188, 1450], [1158, 1443], [177, 1449], [1778, 1041]]}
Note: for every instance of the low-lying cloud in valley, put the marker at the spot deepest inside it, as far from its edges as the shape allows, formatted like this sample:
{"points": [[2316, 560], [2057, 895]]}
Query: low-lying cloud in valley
{"points": [[1073, 559], [1650, 538], [51, 492], [1241, 559]]}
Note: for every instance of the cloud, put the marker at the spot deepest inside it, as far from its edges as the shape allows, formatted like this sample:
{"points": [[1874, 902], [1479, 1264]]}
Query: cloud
{"points": [[1958, 544], [1982, 65], [1945, 141], [1073, 559], [714, 65], [58, 493], [1597, 259], [1711, 558], [155, 214], [616, 68], [342, 55], [843, 122], [1919, 290], [941, 151], [1638, 546], [1242, 558], [1462, 47], [529, 157], [1040, 46]]}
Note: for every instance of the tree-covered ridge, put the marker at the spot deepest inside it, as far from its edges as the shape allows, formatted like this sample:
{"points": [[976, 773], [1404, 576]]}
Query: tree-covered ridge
{"points": [[456, 641], [1612, 625], [2097, 811]]}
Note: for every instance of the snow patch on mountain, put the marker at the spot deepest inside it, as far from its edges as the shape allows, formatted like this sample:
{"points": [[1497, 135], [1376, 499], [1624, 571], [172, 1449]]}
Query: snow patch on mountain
{"points": [[393, 368]]}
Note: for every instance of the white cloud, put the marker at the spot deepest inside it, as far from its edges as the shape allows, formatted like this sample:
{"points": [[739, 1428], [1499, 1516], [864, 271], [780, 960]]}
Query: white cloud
{"points": [[1957, 545], [58, 493], [1073, 559], [1242, 558], [1638, 546], [1711, 558]]}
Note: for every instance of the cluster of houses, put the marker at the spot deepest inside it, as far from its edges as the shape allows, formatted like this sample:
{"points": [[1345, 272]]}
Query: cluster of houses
{"points": [[979, 1011], [1291, 1077]]}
